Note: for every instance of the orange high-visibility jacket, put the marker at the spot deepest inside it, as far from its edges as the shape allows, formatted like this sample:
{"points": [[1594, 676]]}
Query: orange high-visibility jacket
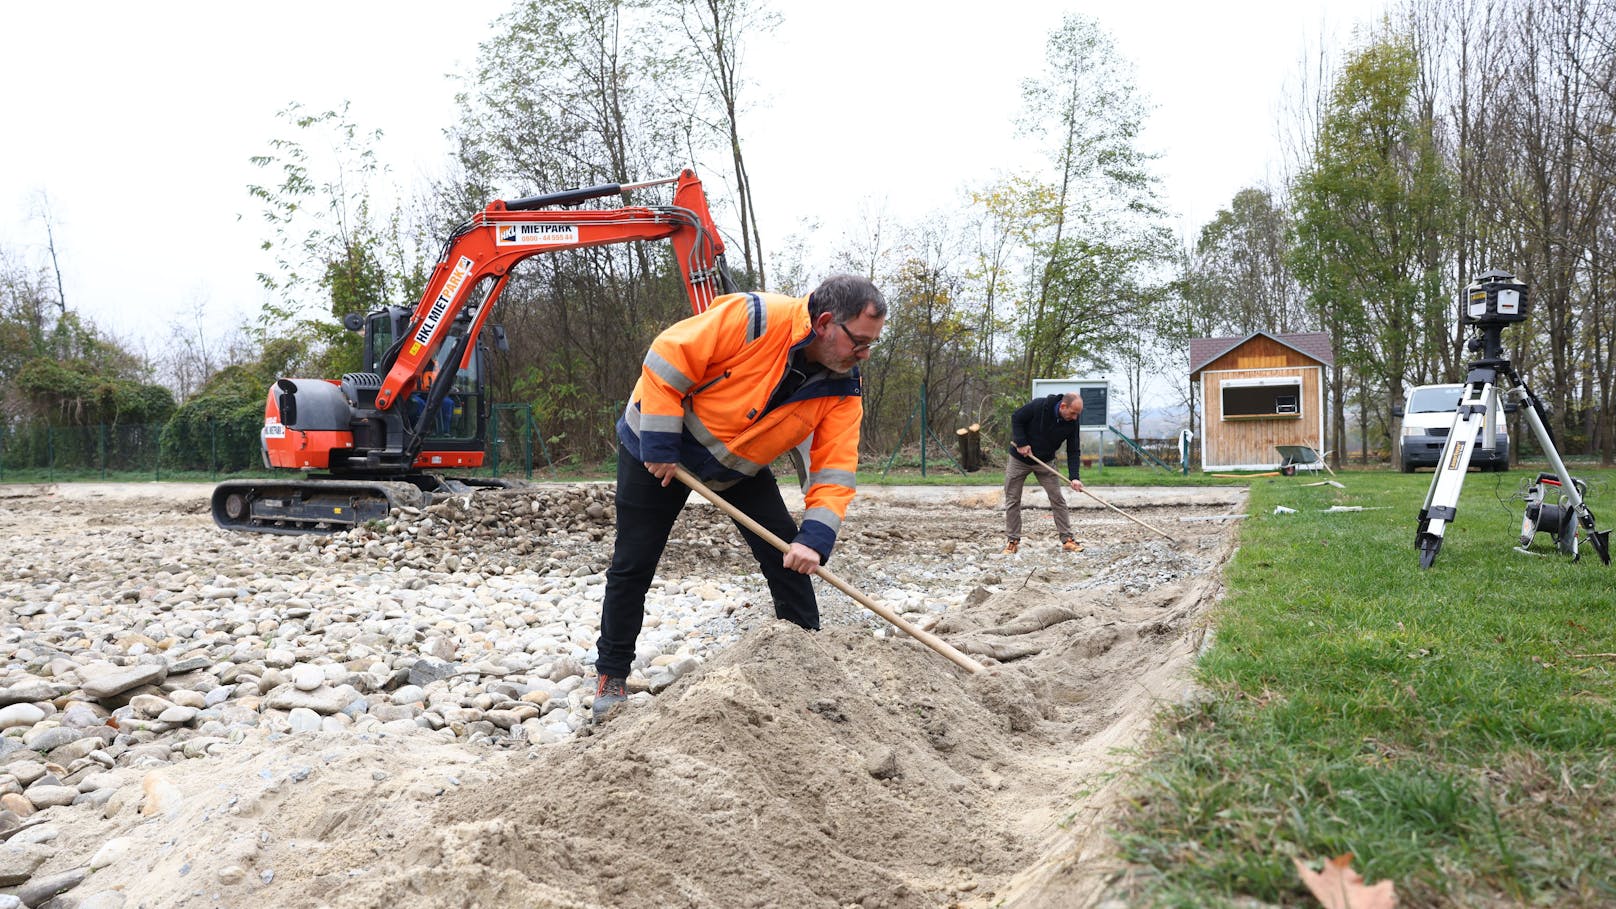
{"points": [[703, 395]]}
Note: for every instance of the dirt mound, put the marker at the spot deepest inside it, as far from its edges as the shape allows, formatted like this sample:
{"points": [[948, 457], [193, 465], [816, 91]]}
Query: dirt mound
{"points": [[834, 769], [797, 770]]}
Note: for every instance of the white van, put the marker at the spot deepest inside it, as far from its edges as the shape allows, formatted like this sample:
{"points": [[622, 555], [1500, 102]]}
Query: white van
{"points": [[1426, 420]]}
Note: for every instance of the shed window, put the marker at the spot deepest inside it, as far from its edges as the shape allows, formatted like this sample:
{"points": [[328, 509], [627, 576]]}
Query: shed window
{"points": [[1253, 399]]}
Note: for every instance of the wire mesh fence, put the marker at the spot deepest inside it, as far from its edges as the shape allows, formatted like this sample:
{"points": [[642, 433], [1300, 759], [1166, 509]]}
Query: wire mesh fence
{"points": [[50, 452], [515, 444], [44, 452]]}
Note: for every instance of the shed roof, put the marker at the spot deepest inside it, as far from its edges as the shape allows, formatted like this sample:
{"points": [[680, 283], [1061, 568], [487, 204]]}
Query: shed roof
{"points": [[1314, 345]]}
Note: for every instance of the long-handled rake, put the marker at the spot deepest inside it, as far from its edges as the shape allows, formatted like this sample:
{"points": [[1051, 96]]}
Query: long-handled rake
{"points": [[1096, 498], [925, 637]]}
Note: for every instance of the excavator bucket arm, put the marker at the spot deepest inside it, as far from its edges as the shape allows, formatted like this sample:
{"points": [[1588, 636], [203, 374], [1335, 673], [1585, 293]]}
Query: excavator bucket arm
{"points": [[505, 233]]}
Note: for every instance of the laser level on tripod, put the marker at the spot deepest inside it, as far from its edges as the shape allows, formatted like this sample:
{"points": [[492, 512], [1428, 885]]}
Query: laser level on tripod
{"points": [[1492, 302]]}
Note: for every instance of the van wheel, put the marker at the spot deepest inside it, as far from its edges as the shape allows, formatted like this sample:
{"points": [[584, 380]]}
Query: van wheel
{"points": [[1405, 466]]}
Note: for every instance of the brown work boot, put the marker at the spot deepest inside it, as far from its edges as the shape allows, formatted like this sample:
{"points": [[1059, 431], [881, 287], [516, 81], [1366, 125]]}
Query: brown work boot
{"points": [[610, 691], [1071, 545], [1011, 547]]}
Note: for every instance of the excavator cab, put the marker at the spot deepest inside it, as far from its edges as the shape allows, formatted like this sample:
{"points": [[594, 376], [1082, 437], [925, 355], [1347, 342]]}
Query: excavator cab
{"points": [[459, 421]]}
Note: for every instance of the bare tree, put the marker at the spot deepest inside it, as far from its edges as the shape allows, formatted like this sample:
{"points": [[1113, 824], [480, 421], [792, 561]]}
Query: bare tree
{"points": [[195, 350], [42, 211], [575, 93], [1092, 222], [1241, 266], [716, 29]]}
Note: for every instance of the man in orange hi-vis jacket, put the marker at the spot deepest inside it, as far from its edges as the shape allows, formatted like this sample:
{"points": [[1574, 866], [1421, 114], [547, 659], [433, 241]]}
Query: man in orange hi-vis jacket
{"points": [[724, 394]]}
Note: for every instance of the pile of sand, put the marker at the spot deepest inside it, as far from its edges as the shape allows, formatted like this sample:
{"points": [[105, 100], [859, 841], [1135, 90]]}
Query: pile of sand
{"points": [[832, 769]]}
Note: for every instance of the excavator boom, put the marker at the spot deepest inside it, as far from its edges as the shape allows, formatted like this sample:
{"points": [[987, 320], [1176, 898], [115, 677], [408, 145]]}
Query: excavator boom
{"points": [[505, 233]]}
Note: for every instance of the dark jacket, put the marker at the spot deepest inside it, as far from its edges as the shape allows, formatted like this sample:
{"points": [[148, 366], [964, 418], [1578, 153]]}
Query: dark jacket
{"points": [[1038, 424]]}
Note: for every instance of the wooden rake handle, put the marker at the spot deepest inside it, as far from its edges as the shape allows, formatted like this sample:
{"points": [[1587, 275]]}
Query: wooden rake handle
{"points": [[925, 637], [1096, 498]]}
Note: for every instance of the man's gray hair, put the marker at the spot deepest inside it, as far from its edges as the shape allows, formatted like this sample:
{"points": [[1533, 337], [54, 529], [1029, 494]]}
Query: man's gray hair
{"points": [[1071, 397], [846, 297]]}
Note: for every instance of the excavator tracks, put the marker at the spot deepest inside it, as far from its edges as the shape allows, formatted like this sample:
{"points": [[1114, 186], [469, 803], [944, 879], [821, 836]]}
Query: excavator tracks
{"points": [[309, 506]]}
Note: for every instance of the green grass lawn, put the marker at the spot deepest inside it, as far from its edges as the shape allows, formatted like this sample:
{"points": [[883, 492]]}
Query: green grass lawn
{"points": [[1453, 728]]}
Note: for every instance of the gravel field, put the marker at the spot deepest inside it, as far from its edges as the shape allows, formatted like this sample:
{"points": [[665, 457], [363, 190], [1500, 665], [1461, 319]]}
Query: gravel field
{"points": [[398, 715]]}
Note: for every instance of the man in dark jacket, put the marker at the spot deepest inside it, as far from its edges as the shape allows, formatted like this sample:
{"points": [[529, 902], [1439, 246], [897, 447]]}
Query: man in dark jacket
{"points": [[1038, 429]]}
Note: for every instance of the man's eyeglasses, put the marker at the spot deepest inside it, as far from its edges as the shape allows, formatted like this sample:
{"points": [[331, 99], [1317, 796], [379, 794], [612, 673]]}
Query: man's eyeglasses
{"points": [[858, 346]]}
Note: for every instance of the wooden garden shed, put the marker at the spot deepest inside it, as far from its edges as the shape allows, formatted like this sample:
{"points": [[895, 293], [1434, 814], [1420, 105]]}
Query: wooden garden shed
{"points": [[1257, 393]]}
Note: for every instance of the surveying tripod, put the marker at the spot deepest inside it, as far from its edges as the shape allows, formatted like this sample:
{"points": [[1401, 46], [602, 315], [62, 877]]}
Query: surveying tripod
{"points": [[1493, 302]]}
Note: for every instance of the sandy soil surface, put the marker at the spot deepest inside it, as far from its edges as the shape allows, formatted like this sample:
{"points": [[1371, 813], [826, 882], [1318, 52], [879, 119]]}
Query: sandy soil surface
{"points": [[849, 767]]}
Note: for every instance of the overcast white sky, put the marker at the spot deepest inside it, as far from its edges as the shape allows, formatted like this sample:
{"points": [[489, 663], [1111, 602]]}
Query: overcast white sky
{"points": [[137, 120]]}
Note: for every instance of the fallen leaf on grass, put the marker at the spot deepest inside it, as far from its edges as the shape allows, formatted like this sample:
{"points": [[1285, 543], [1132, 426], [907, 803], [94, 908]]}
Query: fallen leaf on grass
{"points": [[1339, 887]]}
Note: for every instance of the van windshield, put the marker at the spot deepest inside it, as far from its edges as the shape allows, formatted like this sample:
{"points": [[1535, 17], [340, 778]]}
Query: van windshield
{"points": [[1435, 399]]}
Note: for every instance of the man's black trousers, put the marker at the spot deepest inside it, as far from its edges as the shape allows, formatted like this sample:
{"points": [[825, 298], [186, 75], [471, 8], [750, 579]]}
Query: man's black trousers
{"points": [[646, 511]]}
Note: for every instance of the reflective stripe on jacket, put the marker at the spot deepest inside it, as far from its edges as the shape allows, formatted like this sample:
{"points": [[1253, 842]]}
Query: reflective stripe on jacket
{"points": [[702, 401]]}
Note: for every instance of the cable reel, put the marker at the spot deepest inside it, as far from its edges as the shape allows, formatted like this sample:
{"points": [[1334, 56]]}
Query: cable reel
{"points": [[1557, 518]]}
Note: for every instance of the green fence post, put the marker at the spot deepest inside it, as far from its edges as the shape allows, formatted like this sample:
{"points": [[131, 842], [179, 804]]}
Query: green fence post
{"points": [[103, 452], [493, 439], [924, 416], [213, 449], [157, 456], [50, 453], [527, 441]]}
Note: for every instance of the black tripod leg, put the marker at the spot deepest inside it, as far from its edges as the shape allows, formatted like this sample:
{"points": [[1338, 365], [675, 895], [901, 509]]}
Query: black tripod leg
{"points": [[1429, 545], [1600, 540]]}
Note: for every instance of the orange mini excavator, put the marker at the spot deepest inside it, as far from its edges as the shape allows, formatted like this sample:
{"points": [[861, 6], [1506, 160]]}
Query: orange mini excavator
{"points": [[375, 440]]}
